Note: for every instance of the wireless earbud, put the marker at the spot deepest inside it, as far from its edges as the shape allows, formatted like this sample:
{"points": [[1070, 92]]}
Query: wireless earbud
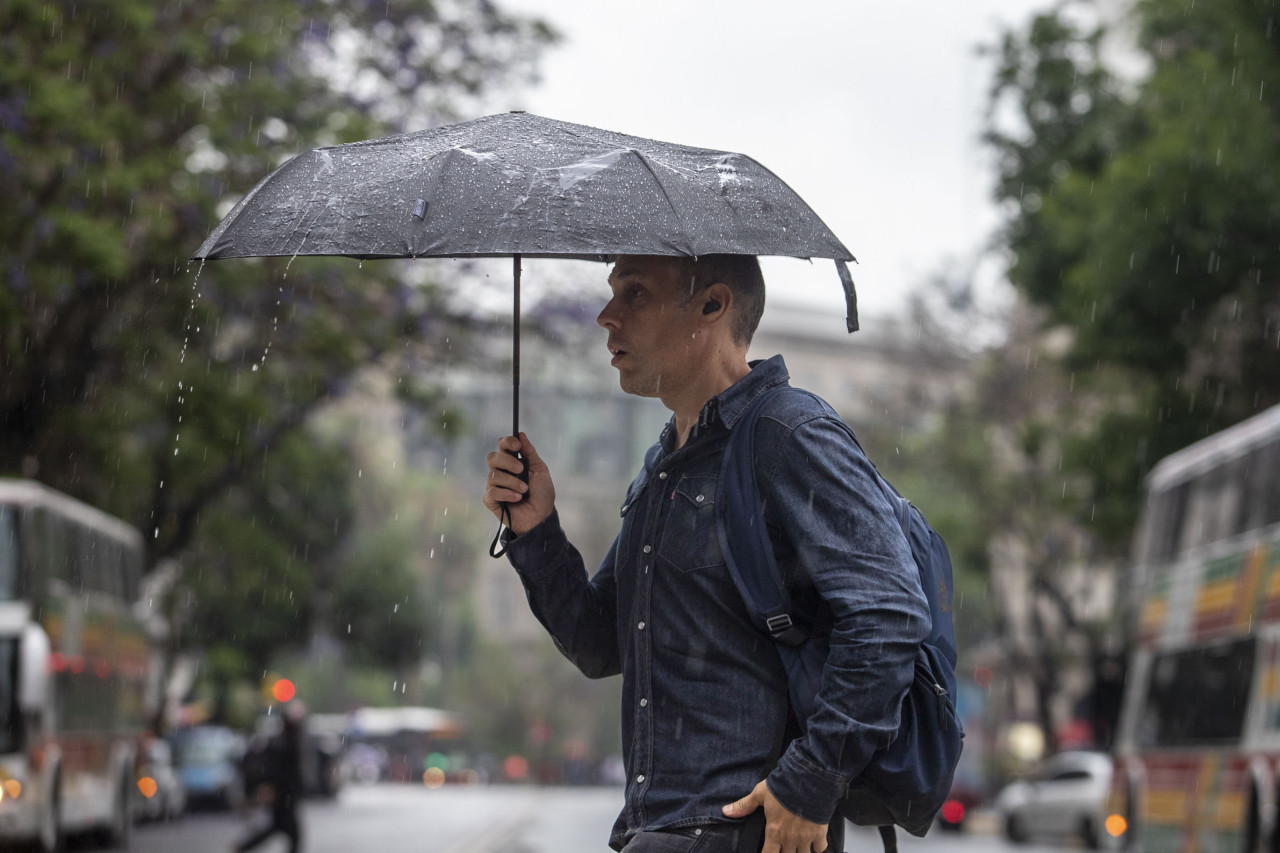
{"points": [[711, 307]]}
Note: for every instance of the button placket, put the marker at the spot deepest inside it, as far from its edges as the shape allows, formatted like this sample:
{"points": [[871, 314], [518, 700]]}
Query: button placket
{"points": [[643, 749]]}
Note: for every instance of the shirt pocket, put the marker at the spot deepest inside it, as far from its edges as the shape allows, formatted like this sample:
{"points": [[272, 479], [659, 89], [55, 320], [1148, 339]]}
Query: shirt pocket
{"points": [[690, 540]]}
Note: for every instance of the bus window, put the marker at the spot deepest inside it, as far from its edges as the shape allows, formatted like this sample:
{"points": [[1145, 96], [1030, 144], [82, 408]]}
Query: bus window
{"points": [[1211, 508], [1198, 696], [1229, 499], [1165, 516], [97, 563], [1262, 507], [8, 554], [113, 560], [59, 541], [130, 574], [10, 716], [86, 701], [89, 560]]}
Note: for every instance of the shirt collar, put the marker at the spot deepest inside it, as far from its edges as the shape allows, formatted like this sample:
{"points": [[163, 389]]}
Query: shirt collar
{"points": [[765, 374], [729, 405]]}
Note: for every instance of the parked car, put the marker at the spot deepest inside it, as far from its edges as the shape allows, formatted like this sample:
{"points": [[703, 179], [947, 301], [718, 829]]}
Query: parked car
{"points": [[161, 794], [325, 768], [208, 760], [1065, 797]]}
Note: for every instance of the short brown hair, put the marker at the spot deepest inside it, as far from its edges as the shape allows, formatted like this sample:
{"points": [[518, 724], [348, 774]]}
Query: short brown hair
{"points": [[741, 274]]}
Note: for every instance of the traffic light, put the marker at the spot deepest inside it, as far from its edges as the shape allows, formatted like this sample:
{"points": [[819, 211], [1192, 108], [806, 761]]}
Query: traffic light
{"points": [[283, 690]]}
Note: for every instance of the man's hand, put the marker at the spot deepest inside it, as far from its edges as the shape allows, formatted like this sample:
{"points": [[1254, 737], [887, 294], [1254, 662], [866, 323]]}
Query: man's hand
{"points": [[784, 832], [503, 486]]}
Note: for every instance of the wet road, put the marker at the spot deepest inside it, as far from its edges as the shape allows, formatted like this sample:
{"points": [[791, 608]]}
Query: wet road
{"points": [[391, 818]]}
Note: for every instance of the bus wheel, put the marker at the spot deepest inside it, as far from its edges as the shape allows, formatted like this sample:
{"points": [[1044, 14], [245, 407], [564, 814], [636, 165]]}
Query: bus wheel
{"points": [[1089, 834], [1255, 841], [119, 832], [1014, 831], [51, 837], [1130, 842]]}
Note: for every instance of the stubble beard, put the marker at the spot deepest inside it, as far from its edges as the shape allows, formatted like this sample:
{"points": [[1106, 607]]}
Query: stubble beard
{"points": [[639, 385]]}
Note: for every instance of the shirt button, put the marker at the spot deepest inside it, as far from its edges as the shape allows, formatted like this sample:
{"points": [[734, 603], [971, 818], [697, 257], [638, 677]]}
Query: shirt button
{"points": [[640, 626], [625, 507], [640, 778], [648, 548], [662, 475], [644, 703], [698, 499], [697, 832]]}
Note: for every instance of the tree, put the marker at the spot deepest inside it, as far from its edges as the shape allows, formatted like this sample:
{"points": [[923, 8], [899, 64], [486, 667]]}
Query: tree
{"points": [[1029, 600], [177, 397], [1141, 216]]}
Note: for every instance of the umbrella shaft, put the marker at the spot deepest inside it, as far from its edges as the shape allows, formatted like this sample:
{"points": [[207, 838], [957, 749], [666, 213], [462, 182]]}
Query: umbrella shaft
{"points": [[515, 356]]}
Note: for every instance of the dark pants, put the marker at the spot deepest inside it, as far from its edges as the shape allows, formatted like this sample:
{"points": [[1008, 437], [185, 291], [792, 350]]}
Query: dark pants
{"points": [[284, 818], [745, 837]]}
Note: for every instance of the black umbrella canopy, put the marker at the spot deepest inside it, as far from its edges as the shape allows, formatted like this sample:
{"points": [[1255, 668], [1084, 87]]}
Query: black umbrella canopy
{"points": [[520, 184]]}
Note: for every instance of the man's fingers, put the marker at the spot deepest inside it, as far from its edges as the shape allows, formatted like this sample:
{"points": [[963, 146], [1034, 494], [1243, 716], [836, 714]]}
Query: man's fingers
{"points": [[530, 452], [504, 460], [504, 485], [743, 807]]}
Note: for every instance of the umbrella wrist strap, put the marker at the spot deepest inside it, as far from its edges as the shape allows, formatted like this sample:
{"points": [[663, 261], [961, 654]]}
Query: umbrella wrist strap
{"points": [[498, 548]]}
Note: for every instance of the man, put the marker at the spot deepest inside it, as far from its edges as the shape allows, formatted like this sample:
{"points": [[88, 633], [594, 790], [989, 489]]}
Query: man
{"points": [[277, 782], [705, 702]]}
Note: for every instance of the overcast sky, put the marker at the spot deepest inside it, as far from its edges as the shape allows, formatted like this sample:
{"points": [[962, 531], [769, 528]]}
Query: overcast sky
{"points": [[871, 111]]}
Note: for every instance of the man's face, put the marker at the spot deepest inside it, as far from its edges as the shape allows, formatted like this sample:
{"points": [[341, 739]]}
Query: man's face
{"points": [[651, 331]]}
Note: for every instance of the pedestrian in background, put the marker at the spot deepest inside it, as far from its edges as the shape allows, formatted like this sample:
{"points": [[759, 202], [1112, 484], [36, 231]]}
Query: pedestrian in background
{"points": [[275, 781]]}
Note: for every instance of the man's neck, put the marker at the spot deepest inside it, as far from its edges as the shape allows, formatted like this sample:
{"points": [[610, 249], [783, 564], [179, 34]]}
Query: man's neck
{"points": [[687, 406]]}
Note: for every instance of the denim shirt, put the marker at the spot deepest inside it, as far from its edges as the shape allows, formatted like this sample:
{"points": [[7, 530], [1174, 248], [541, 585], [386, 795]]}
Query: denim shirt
{"points": [[704, 699]]}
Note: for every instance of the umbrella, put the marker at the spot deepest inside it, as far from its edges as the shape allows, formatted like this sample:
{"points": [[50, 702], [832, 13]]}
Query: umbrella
{"points": [[521, 185]]}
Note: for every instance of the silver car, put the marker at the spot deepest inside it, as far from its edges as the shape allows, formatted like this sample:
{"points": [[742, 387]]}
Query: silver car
{"points": [[161, 795], [1065, 797]]}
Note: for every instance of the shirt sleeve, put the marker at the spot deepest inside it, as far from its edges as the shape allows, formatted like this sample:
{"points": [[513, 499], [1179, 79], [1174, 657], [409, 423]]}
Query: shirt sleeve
{"points": [[579, 613], [825, 498]]}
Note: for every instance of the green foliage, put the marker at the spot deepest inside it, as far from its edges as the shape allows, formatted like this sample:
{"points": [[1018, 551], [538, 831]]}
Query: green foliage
{"points": [[177, 397], [948, 475], [379, 603], [264, 553], [1143, 217]]}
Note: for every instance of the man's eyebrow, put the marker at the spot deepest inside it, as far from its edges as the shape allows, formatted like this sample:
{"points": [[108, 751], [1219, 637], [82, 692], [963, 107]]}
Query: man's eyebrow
{"points": [[620, 273]]}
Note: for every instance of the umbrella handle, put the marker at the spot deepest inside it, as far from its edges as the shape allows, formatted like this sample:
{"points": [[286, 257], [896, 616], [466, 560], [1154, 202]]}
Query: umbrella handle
{"points": [[497, 547]]}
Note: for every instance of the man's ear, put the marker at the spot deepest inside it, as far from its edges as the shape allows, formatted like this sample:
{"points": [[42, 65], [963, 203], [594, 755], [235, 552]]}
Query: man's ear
{"points": [[716, 300]]}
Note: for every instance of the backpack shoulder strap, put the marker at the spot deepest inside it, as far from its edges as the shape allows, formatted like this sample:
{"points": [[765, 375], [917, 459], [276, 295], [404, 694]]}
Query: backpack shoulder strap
{"points": [[744, 537]]}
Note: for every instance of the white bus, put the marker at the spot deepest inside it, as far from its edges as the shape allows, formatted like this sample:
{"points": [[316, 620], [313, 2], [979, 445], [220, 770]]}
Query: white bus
{"points": [[73, 666], [1197, 764]]}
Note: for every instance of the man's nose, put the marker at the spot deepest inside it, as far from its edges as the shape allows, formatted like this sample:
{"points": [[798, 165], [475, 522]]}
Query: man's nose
{"points": [[606, 317]]}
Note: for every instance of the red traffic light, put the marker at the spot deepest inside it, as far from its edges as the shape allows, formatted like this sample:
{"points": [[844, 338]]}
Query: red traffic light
{"points": [[283, 690]]}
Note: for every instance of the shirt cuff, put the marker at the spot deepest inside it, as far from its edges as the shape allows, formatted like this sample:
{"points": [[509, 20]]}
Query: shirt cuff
{"points": [[534, 553], [805, 789]]}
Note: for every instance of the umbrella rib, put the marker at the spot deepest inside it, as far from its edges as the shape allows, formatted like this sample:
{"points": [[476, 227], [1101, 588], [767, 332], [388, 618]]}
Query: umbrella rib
{"points": [[684, 232]]}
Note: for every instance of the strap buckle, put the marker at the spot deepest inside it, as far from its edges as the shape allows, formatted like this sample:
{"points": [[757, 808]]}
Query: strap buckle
{"points": [[779, 624]]}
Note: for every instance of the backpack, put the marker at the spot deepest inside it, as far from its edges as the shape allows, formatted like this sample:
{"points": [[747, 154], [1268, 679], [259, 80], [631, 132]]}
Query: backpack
{"points": [[905, 783]]}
